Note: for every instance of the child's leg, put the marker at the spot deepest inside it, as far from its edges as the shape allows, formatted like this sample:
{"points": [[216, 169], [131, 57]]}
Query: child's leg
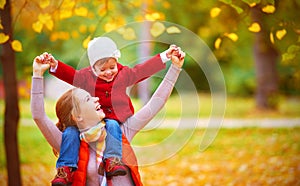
{"points": [[113, 140], [68, 157], [69, 148], [112, 154]]}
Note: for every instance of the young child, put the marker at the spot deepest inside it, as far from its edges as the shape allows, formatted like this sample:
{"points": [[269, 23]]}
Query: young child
{"points": [[108, 80]]}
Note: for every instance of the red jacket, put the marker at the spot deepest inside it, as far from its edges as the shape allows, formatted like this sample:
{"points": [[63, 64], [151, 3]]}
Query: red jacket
{"points": [[115, 103]]}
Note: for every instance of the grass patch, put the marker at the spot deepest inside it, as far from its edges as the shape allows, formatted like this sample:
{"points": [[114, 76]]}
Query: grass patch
{"points": [[236, 157], [187, 106]]}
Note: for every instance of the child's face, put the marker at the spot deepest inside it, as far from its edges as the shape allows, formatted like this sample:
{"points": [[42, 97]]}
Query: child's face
{"points": [[108, 70]]}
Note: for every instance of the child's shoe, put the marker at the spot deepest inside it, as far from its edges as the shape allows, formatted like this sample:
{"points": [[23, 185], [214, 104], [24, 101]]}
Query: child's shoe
{"points": [[63, 177], [114, 167]]}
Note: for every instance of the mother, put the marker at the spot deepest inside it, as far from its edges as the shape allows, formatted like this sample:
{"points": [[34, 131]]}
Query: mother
{"points": [[90, 106]]}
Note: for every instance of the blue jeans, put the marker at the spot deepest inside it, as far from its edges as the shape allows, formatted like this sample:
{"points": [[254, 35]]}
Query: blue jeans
{"points": [[69, 148], [113, 140]]}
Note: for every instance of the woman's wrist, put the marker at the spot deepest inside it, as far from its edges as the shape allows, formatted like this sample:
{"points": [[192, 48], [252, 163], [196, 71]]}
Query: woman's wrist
{"points": [[176, 67], [37, 73]]}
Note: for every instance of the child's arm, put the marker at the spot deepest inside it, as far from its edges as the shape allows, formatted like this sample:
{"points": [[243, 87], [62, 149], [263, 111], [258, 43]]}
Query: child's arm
{"points": [[148, 68], [59, 69]]}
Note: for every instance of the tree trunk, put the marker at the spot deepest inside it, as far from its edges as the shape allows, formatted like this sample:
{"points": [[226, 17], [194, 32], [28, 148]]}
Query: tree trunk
{"points": [[266, 57], [11, 101], [144, 53]]}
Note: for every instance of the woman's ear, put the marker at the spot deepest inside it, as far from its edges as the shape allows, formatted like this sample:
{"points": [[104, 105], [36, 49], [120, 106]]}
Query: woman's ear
{"points": [[77, 118]]}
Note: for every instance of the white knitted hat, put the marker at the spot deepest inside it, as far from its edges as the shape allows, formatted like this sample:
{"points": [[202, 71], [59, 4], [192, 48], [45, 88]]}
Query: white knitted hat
{"points": [[102, 47]]}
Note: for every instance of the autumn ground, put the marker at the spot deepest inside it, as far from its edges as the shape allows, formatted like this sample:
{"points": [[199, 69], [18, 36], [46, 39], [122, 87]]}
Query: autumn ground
{"points": [[244, 156], [237, 157]]}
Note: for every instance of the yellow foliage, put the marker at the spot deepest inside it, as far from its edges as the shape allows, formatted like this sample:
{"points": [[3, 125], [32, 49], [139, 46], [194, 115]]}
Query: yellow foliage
{"points": [[3, 38], [153, 16], [218, 43], [49, 25], [59, 35], [66, 10], [68, 4], [43, 20], [2, 4], [92, 28], [74, 34], [232, 36], [1, 26], [166, 5], [272, 38], [137, 3], [268, 9], [81, 11], [127, 33], [86, 42], [173, 30], [82, 29], [110, 26], [44, 3], [214, 12], [16, 46], [254, 27], [37, 26], [157, 29], [280, 34], [252, 4], [139, 18], [102, 11], [64, 14]]}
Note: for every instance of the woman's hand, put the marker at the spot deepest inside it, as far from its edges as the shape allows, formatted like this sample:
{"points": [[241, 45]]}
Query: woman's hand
{"points": [[178, 58], [39, 67]]}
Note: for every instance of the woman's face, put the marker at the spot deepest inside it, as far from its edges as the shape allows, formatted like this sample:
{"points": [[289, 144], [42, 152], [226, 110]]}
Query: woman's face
{"points": [[90, 108], [108, 70]]}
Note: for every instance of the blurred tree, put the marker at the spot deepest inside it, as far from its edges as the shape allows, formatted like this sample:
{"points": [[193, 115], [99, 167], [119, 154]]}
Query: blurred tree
{"points": [[11, 98], [266, 19], [230, 27]]}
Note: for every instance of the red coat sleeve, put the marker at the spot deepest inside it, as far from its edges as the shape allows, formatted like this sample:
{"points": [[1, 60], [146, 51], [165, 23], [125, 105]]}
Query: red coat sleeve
{"points": [[65, 72], [143, 70]]}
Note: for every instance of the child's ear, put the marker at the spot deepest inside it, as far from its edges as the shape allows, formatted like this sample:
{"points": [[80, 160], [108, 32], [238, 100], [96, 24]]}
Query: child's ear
{"points": [[77, 118]]}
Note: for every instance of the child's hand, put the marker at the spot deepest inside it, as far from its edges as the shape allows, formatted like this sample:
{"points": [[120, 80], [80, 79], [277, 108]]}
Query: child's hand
{"points": [[49, 59], [178, 58], [39, 67], [172, 50]]}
